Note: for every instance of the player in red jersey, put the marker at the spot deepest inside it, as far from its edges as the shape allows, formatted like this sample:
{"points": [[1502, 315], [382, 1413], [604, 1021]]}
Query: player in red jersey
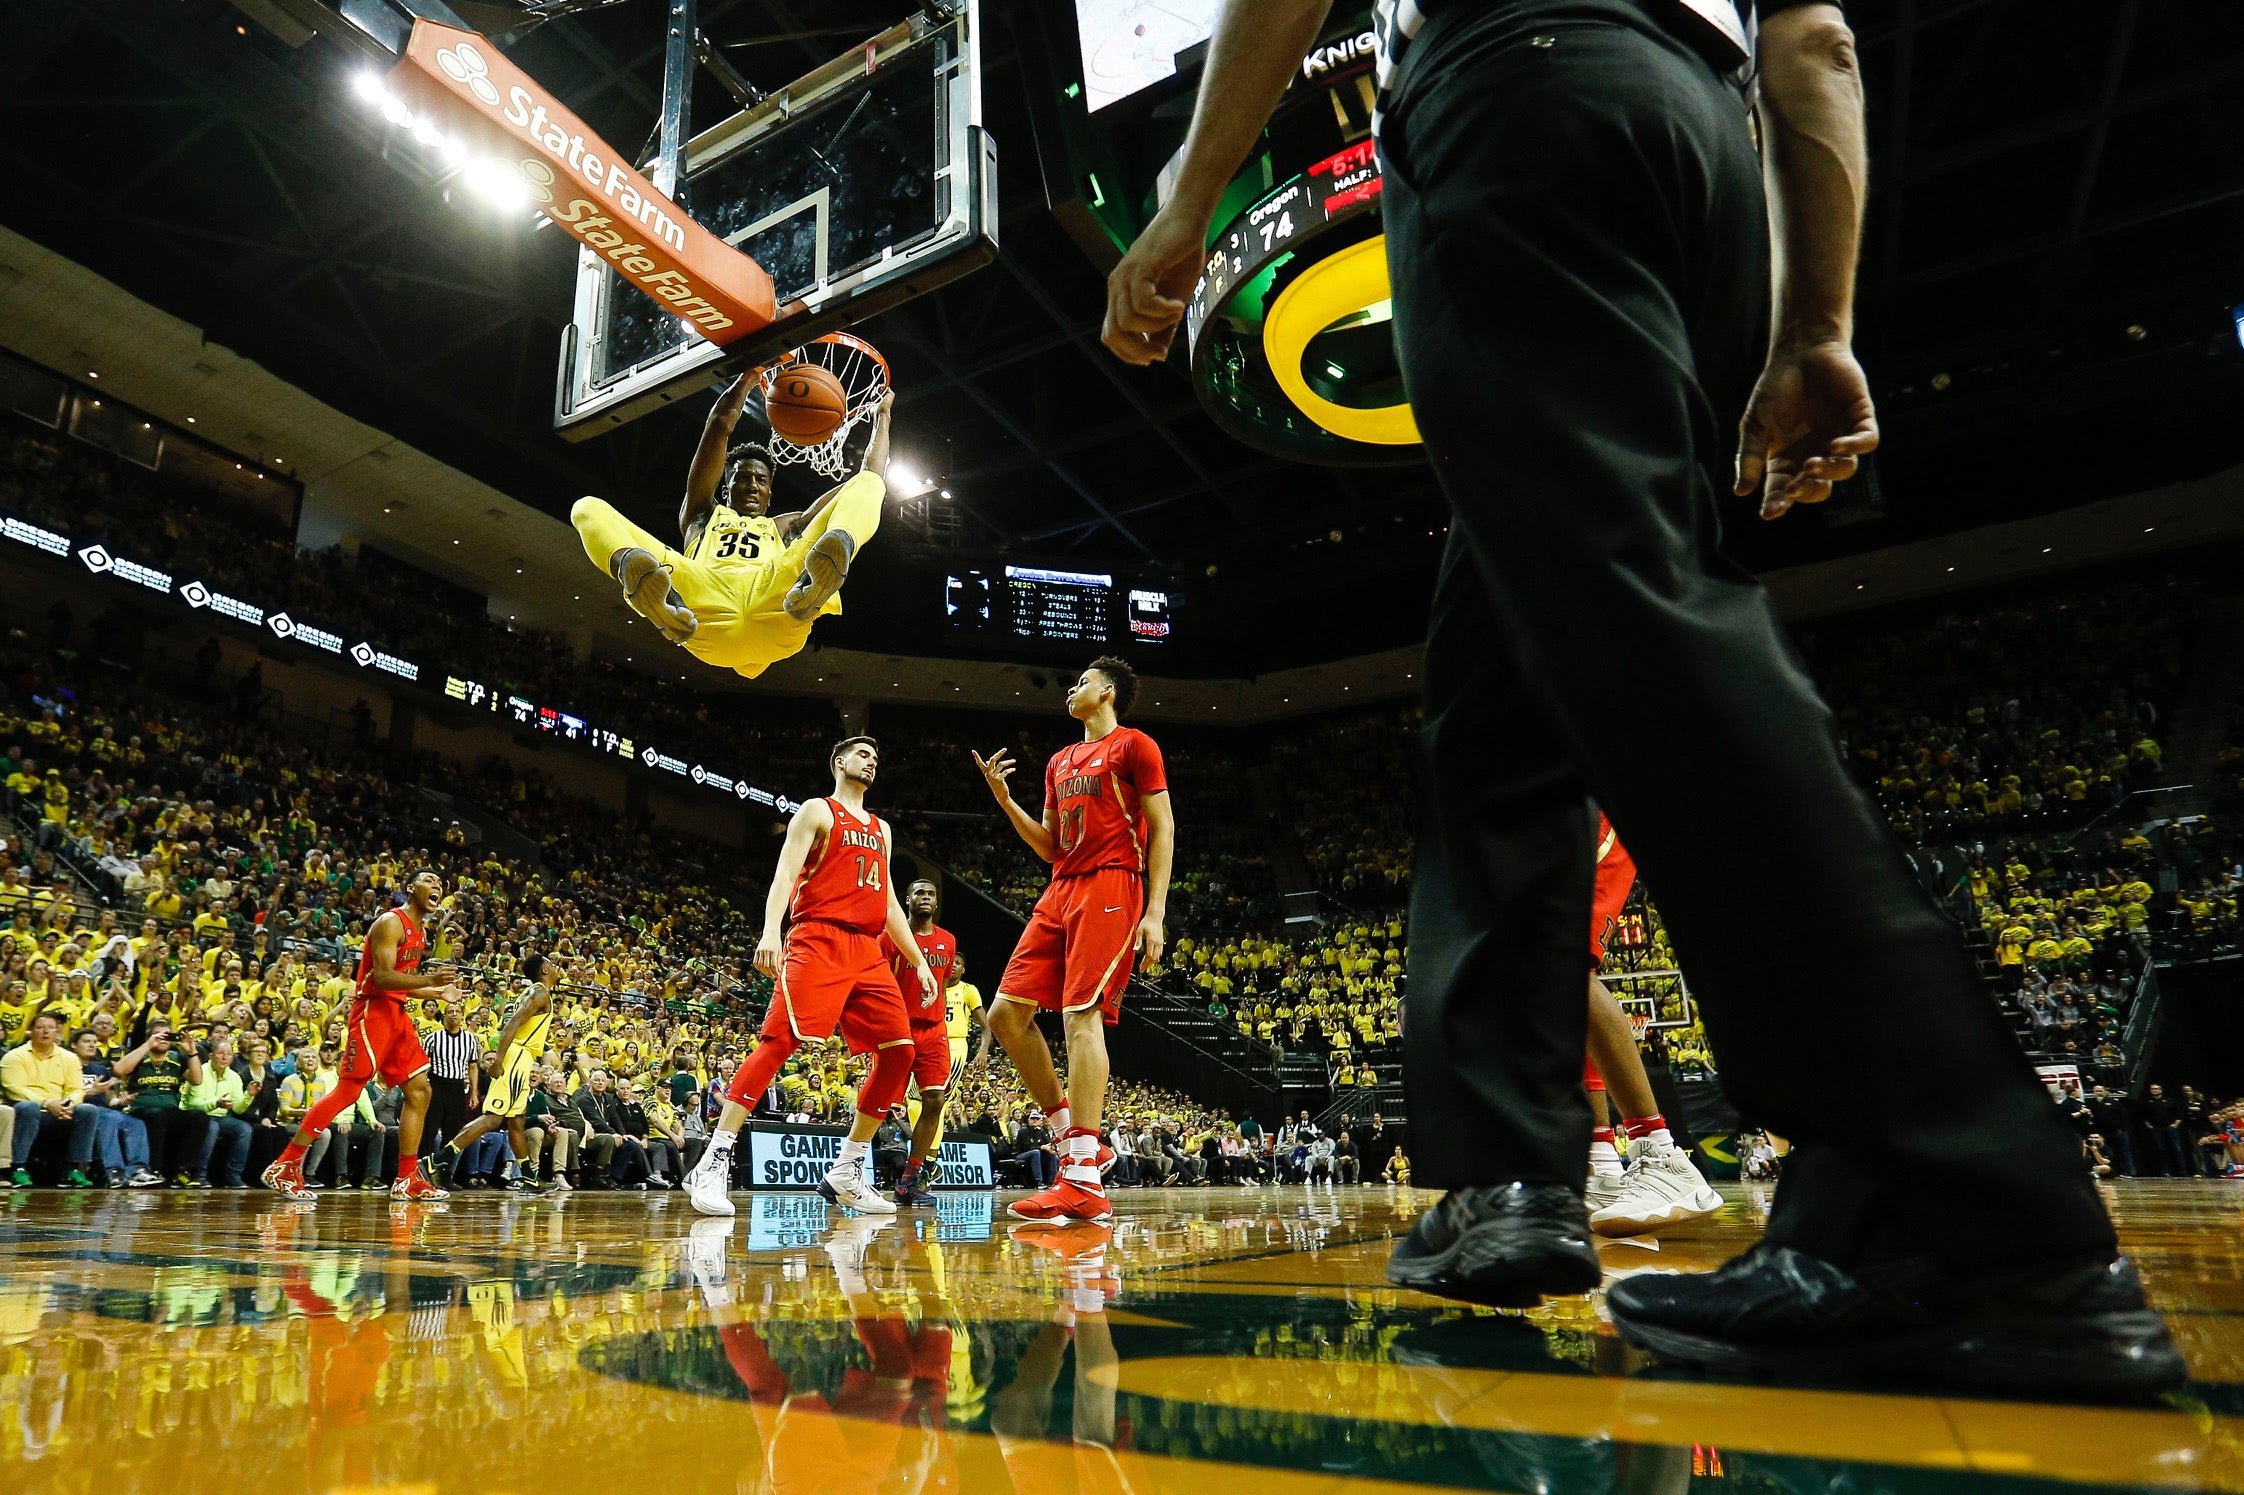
{"points": [[831, 888], [1662, 1186], [1108, 833], [931, 1037], [382, 1042]]}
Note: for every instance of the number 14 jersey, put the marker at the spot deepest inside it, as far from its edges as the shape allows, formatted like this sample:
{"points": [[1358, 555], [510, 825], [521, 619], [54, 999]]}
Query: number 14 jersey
{"points": [[848, 883], [1099, 789]]}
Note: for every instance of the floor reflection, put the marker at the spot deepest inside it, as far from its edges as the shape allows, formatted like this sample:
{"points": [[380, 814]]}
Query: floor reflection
{"points": [[181, 1340]]}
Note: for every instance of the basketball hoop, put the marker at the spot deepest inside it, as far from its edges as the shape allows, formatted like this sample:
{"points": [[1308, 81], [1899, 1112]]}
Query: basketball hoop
{"points": [[863, 375], [1639, 1024]]}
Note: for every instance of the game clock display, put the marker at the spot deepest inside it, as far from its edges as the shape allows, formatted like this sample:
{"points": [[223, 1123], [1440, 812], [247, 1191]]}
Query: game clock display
{"points": [[1044, 605]]}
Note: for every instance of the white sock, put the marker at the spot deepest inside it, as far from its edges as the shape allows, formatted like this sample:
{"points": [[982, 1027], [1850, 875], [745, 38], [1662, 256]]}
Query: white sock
{"points": [[854, 1154], [721, 1140], [1605, 1160], [1057, 1122], [1079, 1162]]}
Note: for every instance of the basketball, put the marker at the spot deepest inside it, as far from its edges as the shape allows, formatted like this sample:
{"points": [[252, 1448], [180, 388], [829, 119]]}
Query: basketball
{"points": [[805, 405]]}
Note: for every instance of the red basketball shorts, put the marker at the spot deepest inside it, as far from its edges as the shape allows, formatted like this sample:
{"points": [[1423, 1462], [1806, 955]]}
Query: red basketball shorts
{"points": [[833, 976], [1077, 949], [931, 1056], [382, 1041], [1615, 876]]}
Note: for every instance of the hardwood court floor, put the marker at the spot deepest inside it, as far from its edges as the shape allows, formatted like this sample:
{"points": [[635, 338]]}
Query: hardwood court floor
{"points": [[231, 1342]]}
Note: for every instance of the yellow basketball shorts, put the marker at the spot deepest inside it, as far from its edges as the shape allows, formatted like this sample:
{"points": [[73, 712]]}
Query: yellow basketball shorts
{"points": [[740, 626], [509, 1093]]}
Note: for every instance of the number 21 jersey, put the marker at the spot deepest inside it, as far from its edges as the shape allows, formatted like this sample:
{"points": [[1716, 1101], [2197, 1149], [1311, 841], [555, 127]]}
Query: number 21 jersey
{"points": [[1099, 789], [848, 884]]}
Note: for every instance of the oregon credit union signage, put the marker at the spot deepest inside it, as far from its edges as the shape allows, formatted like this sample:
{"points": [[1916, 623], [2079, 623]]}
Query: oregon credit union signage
{"points": [[584, 184]]}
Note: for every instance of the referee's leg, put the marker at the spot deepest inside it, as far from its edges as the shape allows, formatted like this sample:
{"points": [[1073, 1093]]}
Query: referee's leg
{"points": [[1577, 241], [447, 1110]]}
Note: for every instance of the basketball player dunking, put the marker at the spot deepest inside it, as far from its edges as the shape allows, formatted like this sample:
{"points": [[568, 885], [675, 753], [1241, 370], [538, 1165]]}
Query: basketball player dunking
{"points": [[744, 591], [1108, 833], [931, 1038], [831, 888], [382, 1042]]}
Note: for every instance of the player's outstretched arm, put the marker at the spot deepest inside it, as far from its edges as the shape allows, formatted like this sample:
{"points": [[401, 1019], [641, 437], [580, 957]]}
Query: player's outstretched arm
{"points": [[811, 822], [1041, 836], [874, 470], [709, 457]]}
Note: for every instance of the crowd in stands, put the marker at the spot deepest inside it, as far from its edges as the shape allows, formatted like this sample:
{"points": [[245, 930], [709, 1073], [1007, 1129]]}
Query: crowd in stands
{"points": [[201, 1017], [191, 533], [1348, 786], [2039, 706]]}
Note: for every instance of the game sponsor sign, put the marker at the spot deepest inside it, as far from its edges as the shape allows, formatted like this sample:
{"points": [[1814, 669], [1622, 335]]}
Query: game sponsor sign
{"points": [[793, 1157]]}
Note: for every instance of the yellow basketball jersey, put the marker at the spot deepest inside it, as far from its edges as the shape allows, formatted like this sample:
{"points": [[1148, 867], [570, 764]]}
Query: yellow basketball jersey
{"points": [[733, 539], [960, 1002], [530, 1037]]}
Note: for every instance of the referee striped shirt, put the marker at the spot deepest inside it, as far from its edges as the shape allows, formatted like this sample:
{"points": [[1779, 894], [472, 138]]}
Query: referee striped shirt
{"points": [[451, 1054]]}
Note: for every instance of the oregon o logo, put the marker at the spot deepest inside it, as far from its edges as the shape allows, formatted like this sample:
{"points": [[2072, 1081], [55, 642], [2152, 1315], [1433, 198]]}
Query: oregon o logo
{"points": [[538, 178], [465, 65]]}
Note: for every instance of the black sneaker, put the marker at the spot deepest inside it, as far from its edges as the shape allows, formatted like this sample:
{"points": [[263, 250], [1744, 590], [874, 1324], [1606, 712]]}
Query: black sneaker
{"points": [[1508, 1247], [911, 1188], [2071, 1329]]}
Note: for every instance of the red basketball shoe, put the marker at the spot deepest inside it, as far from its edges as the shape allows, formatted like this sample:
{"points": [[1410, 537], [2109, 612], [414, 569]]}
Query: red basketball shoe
{"points": [[285, 1177], [414, 1184], [1065, 1200]]}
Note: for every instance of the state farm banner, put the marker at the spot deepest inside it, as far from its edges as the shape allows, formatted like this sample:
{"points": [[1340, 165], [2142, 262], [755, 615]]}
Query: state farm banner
{"points": [[583, 183]]}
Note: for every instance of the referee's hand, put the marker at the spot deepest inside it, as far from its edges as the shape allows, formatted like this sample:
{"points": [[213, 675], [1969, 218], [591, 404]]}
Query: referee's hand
{"points": [[1807, 427], [1145, 294]]}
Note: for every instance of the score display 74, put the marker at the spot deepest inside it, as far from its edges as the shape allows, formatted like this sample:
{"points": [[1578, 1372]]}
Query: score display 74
{"points": [[1340, 186]]}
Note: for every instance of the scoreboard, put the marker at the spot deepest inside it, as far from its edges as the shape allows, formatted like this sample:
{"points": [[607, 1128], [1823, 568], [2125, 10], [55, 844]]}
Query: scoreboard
{"points": [[1042, 604], [1340, 186]]}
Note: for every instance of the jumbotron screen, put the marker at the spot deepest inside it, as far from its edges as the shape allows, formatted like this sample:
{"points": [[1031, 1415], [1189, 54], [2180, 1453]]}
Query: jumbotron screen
{"points": [[1041, 604], [1130, 45]]}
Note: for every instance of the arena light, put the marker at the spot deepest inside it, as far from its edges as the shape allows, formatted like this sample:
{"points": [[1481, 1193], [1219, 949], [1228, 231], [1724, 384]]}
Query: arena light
{"points": [[500, 181], [369, 87]]}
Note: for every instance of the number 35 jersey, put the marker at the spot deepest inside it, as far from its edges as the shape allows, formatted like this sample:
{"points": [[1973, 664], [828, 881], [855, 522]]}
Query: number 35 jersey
{"points": [[1099, 790], [732, 540], [848, 883]]}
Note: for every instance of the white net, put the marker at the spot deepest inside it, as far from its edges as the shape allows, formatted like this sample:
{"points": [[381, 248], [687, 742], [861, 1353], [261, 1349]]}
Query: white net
{"points": [[863, 375]]}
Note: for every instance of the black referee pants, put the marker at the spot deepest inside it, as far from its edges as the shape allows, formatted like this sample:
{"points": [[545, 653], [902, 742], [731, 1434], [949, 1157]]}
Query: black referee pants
{"points": [[448, 1111], [1579, 253]]}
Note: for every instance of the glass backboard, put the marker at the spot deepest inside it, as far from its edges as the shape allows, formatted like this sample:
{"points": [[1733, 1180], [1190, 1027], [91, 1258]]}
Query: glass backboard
{"points": [[861, 185]]}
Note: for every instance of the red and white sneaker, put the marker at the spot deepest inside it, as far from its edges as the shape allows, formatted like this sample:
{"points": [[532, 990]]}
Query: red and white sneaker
{"points": [[1065, 1200], [414, 1185], [285, 1177]]}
